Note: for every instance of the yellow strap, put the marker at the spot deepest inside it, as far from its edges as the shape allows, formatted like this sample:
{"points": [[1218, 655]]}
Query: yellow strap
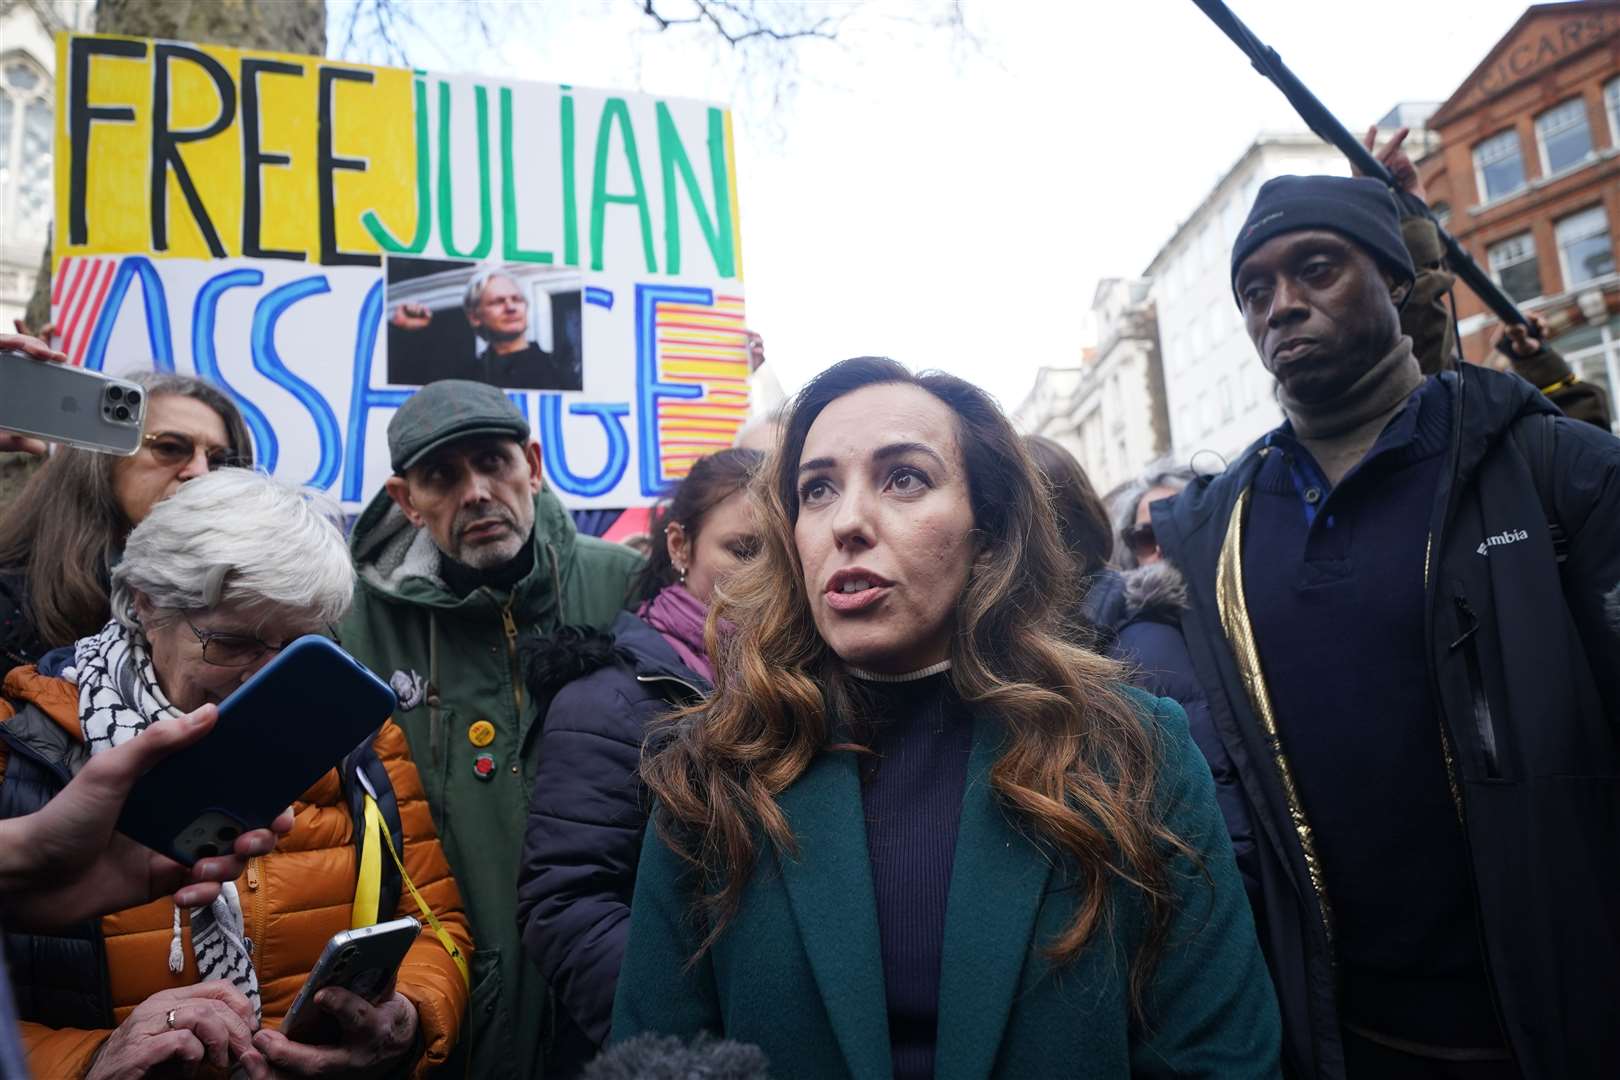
{"points": [[368, 889], [374, 823], [1568, 380]]}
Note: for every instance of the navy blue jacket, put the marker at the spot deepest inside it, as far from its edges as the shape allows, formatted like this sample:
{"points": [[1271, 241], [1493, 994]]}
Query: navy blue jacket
{"points": [[1137, 614], [1526, 671], [587, 813]]}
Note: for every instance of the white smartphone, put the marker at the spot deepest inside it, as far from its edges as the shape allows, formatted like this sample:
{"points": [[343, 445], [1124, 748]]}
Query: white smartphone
{"points": [[363, 962], [65, 404]]}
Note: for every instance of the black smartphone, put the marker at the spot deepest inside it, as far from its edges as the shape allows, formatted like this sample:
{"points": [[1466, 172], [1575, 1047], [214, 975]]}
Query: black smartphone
{"points": [[65, 404], [363, 962], [276, 735]]}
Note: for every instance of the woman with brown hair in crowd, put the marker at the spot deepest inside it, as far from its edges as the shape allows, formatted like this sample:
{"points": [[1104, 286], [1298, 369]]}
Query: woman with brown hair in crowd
{"points": [[61, 535], [916, 831], [588, 808]]}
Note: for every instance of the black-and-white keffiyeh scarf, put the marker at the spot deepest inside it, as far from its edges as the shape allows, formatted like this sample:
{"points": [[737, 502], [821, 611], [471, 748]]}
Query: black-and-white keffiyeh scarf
{"points": [[118, 697]]}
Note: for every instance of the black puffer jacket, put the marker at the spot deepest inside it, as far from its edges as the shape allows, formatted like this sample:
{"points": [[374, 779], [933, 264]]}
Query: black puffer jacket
{"points": [[1137, 613], [587, 813]]}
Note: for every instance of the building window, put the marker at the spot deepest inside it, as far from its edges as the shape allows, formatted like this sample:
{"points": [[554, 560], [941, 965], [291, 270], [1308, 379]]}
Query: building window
{"points": [[1584, 248], [1611, 105], [1232, 218], [1223, 389], [25, 150], [1442, 212], [1251, 191], [1498, 166], [1218, 326], [1565, 138], [1515, 267]]}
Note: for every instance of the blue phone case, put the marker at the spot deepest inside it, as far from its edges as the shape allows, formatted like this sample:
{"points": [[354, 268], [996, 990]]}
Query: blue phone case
{"points": [[276, 735]]}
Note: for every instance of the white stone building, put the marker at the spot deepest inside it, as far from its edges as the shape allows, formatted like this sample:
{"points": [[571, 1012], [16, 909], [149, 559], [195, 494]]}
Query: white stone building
{"points": [[1110, 410], [27, 90]]}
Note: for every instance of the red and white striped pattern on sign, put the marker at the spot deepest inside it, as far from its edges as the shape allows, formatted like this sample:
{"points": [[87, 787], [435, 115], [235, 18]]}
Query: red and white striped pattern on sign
{"points": [[78, 291], [706, 346]]}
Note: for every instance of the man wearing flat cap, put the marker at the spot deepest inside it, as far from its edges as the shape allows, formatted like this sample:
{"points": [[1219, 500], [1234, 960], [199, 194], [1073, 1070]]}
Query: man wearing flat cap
{"points": [[1396, 610], [463, 551]]}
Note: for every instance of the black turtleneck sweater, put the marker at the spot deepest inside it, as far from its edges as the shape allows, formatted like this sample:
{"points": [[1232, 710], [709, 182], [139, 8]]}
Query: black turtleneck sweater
{"points": [[911, 793], [462, 579]]}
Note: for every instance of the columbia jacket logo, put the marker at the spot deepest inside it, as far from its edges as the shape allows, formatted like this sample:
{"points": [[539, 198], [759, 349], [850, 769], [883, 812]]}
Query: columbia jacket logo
{"points": [[1511, 536]]}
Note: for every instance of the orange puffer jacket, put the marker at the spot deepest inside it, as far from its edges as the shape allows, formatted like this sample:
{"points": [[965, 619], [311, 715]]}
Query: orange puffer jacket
{"points": [[293, 901]]}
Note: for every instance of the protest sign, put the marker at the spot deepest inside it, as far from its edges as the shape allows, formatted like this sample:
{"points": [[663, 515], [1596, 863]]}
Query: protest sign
{"points": [[320, 238]]}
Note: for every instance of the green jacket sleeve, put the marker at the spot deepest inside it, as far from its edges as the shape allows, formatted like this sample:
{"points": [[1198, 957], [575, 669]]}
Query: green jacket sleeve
{"points": [[1550, 373], [1426, 317], [1210, 1010], [660, 990]]}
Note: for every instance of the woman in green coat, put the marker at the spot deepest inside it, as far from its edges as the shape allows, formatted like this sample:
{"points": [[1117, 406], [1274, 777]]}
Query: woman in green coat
{"points": [[915, 832]]}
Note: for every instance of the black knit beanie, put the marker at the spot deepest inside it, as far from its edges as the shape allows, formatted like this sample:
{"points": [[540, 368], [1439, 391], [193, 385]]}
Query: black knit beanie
{"points": [[1360, 208]]}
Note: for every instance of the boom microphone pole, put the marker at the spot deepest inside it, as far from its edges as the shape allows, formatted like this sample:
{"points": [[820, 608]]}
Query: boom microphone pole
{"points": [[1323, 123]]}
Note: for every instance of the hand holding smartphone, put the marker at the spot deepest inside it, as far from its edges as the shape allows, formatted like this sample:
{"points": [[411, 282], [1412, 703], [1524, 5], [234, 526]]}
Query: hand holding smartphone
{"points": [[61, 403], [364, 962]]}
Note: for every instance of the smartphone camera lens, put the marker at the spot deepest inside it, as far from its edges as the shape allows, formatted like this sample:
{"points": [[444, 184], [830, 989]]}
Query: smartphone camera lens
{"points": [[133, 397], [115, 392], [206, 851], [227, 834], [121, 412]]}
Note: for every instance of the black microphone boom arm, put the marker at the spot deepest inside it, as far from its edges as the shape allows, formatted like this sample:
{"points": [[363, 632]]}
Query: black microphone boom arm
{"points": [[1323, 123]]}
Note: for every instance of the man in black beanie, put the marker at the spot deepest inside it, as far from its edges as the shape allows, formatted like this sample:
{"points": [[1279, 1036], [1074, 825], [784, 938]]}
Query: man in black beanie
{"points": [[1396, 611]]}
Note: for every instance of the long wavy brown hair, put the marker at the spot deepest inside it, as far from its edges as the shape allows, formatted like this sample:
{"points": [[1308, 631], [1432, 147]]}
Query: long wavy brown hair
{"points": [[1079, 766]]}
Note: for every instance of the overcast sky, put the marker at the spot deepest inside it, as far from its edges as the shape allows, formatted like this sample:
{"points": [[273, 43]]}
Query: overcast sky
{"points": [[954, 207]]}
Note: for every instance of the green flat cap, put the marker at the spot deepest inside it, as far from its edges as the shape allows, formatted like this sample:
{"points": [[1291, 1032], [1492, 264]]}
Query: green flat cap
{"points": [[446, 411]]}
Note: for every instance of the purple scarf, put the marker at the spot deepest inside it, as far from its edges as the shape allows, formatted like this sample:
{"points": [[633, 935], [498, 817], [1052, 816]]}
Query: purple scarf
{"points": [[678, 616]]}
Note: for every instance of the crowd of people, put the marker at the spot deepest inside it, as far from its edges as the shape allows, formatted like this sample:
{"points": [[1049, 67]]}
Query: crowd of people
{"points": [[904, 752]]}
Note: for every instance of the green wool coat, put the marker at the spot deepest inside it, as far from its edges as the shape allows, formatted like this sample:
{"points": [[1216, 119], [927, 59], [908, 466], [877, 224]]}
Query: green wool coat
{"points": [[453, 664], [798, 971]]}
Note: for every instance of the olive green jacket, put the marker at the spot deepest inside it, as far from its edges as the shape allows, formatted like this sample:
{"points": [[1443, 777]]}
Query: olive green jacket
{"points": [[454, 663], [799, 973]]}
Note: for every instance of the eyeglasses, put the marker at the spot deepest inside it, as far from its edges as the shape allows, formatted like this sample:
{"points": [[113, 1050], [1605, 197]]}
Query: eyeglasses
{"points": [[238, 650], [173, 448], [1140, 539]]}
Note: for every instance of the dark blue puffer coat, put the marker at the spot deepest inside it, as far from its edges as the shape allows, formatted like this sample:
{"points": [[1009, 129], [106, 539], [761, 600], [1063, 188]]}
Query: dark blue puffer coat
{"points": [[1137, 614], [587, 813]]}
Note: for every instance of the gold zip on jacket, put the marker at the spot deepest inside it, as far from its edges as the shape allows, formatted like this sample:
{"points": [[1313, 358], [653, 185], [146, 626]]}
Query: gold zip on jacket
{"points": [[1234, 611], [509, 624]]}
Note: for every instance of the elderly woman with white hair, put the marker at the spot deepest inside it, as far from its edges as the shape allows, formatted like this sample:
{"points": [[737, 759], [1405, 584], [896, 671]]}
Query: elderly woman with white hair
{"points": [[214, 583]]}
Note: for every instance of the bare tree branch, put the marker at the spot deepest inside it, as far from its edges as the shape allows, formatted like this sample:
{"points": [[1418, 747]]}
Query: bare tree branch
{"points": [[384, 31], [761, 42], [739, 21]]}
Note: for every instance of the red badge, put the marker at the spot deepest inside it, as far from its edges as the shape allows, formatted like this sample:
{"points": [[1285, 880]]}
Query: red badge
{"points": [[484, 767]]}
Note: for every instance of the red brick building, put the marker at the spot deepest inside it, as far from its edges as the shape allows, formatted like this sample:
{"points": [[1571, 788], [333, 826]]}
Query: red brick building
{"points": [[1528, 180]]}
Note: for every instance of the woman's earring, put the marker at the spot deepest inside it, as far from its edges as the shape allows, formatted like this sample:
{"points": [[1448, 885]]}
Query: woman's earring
{"points": [[682, 571]]}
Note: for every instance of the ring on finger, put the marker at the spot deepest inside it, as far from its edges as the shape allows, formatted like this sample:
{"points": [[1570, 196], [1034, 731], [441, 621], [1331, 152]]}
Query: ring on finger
{"points": [[170, 1018]]}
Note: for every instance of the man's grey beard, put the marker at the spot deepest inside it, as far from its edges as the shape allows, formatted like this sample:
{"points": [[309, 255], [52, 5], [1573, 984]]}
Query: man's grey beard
{"points": [[487, 555]]}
